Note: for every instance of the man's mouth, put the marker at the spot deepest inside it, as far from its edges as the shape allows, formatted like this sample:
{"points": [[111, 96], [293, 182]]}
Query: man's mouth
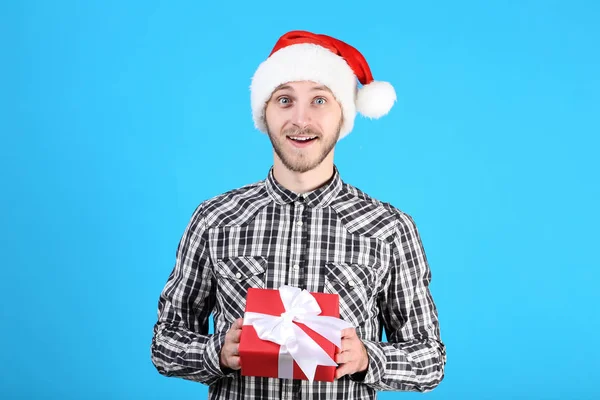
{"points": [[302, 141]]}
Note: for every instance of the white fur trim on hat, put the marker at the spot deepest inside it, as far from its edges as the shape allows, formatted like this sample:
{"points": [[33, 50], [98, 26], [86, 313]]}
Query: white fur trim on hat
{"points": [[304, 62]]}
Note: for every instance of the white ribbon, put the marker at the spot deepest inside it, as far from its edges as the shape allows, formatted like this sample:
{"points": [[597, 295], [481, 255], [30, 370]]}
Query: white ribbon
{"points": [[296, 345]]}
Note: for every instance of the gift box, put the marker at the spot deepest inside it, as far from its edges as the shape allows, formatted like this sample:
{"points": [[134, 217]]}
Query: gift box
{"points": [[290, 333]]}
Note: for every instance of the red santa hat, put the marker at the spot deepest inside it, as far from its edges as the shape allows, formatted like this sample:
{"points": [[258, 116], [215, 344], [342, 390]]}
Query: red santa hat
{"points": [[305, 56]]}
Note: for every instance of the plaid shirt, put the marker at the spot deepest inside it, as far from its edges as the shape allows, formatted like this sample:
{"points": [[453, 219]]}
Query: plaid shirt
{"points": [[335, 239]]}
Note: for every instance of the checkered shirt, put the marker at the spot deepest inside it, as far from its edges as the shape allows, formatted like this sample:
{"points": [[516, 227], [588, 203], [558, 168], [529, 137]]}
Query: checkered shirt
{"points": [[335, 239]]}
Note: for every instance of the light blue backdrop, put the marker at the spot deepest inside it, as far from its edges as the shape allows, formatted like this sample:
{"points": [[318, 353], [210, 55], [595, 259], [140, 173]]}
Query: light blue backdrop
{"points": [[119, 118]]}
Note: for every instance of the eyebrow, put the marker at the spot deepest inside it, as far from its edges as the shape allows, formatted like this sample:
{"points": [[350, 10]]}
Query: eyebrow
{"points": [[282, 87], [321, 88], [314, 89]]}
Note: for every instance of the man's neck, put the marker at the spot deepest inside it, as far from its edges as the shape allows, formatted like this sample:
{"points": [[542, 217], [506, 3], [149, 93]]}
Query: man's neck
{"points": [[303, 182]]}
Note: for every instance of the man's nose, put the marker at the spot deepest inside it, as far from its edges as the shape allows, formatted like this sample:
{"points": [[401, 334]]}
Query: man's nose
{"points": [[301, 116]]}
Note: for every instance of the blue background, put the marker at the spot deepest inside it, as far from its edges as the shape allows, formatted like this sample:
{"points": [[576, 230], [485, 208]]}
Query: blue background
{"points": [[119, 118]]}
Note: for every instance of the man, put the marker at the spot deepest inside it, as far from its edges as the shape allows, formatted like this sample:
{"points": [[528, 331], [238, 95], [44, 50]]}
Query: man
{"points": [[303, 226]]}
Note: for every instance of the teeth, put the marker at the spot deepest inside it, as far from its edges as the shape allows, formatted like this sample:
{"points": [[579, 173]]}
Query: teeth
{"points": [[302, 138]]}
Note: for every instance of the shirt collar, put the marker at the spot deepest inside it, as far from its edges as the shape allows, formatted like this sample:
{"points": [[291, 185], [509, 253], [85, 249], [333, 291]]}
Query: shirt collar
{"points": [[320, 197]]}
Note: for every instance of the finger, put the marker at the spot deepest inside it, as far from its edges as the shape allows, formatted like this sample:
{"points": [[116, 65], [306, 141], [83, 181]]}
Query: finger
{"points": [[228, 336], [342, 370], [348, 344], [234, 329], [343, 358], [235, 326], [238, 323], [348, 333], [235, 349], [346, 356], [235, 336], [234, 362]]}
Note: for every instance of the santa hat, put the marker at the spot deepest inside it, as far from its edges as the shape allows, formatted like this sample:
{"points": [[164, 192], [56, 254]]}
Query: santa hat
{"points": [[305, 56]]}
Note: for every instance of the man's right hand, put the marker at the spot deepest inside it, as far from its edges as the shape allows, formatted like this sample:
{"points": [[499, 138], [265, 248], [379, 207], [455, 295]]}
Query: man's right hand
{"points": [[230, 356]]}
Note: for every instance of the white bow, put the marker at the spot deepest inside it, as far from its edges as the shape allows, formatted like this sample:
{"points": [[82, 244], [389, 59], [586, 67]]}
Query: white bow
{"points": [[300, 306]]}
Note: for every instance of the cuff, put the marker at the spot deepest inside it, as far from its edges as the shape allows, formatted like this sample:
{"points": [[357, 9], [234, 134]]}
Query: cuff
{"points": [[376, 366], [212, 355]]}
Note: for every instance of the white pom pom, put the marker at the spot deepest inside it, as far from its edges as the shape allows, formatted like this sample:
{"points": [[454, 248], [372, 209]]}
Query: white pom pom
{"points": [[375, 99]]}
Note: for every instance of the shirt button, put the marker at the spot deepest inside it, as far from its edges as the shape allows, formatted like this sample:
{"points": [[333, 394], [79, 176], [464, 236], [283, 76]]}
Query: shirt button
{"points": [[351, 283], [238, 275], [296, 266], [300, 223]]}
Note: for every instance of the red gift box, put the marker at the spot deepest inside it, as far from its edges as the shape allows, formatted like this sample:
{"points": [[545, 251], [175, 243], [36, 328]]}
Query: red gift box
{"points": [[261, 357]]}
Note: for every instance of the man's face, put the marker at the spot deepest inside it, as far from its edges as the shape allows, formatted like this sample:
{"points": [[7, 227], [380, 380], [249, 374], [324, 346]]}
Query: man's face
{"points": [[303, 121]]}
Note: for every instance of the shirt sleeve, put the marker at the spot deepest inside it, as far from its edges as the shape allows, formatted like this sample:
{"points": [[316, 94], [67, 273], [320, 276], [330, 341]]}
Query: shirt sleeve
{"points": [[181, 345], [414, 357]]}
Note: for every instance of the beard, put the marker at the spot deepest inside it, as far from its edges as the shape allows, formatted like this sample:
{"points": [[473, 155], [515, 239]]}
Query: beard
{"points": [[303, 160]]}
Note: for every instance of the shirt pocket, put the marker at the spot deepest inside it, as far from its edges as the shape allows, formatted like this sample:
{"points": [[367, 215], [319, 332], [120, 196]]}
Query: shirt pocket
{"points": [[235, 275], [354, 285]]}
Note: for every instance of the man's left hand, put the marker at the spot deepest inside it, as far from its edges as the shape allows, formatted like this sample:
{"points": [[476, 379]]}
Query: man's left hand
{"points": [[353, 357]]}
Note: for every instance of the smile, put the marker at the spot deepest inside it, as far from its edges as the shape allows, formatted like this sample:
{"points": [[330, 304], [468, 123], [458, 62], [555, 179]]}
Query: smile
{"points": [[301, 141]]}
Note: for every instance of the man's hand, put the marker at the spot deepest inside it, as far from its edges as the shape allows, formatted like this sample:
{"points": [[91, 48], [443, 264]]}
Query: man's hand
{"points": [[230, 356], [353, 356]]}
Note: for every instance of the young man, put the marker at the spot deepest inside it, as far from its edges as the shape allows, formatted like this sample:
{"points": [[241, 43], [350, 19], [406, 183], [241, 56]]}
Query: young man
{"points": [[303, 226]]}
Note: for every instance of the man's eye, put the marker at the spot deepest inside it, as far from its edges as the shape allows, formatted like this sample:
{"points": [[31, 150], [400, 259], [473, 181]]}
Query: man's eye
{"points": [[320, 100], [283, 100]]}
